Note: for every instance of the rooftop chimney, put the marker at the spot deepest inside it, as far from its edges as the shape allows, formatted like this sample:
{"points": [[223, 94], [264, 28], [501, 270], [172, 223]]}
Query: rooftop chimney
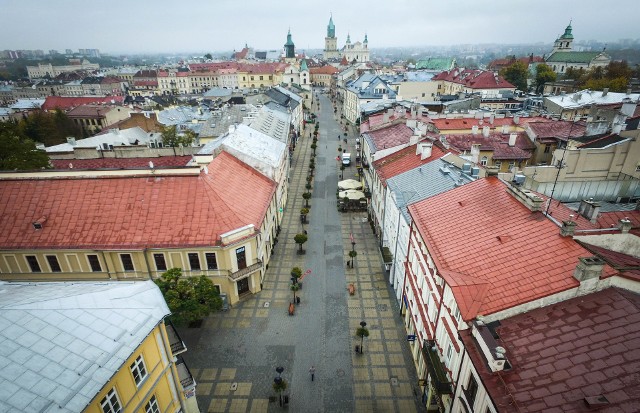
{"points": [[605, 91], [527, 198], [512, 139], [474, 129], [71, 140], [485, 131], [475, 152], [589, 209], [425, 150], [516, 119], [568, 228], [385, 117], [505, 129], [492, 352], [39, 223], [625, 225], [588, 268]]}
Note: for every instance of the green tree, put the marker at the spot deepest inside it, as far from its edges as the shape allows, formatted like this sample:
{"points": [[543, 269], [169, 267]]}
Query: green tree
{"points": [[353, 255], [362, 332], [303, 213], [516, 74], [18, 152], [544, 74], [296, 273], [300, 239], [306, 196], [208, 56], [189, 298], [48, 128]]}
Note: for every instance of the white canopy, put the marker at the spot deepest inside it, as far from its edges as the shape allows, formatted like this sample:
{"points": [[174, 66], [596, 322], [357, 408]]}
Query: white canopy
{"points": [[349, 184]]}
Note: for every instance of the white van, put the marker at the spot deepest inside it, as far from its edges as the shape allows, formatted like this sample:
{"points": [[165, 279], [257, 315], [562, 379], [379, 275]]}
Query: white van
{"points": [[346, 159]]}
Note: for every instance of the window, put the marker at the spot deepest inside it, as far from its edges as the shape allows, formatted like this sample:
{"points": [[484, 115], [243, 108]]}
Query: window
{"points": [[138, 370], [32, 260], [498, 164], [241, 258], [212, 262], [194, 261], [127, 262], [152, 405], [161, 264], [449, 352], [547, 148], [110, 403], [472, 390], [53, 263], [483, 161], [94, 263], [512, 165]]}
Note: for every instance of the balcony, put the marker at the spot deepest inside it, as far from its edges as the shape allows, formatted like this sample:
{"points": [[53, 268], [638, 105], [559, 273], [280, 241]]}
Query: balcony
{"points": [[439, 379], [233, 276], [184, 375], [175, 342]]}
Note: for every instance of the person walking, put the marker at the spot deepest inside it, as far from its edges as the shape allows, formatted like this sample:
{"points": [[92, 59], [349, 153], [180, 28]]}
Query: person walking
{"points": [[312, 371]]}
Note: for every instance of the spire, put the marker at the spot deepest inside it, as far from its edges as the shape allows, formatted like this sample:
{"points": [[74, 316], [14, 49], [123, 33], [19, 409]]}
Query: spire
{"points": [[348, 38], [365, 38], [331, 29], [567, 32], [303, 66]]}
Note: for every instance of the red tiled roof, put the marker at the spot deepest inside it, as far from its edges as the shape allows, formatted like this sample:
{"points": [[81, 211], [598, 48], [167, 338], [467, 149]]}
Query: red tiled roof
{"points": [[498, 64], [120, 163], [628, 265], [376, 121], [92, 111], [134, 212], [145, 73], [492, 249], [561, 129], [324, 70], [474, 79], [468, 123], [67, 102], [390, 136], [496, 142], [402, 161], [583, 347], [241, 54]]}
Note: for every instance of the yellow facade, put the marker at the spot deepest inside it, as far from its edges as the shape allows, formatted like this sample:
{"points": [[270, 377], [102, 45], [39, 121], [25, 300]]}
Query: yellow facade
{"points": [[159, 385]]}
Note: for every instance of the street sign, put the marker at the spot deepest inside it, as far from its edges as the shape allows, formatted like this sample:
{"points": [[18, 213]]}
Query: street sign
{"points": [[411, 337]]}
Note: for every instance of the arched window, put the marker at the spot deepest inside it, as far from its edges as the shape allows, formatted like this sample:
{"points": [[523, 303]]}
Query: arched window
{"points": [[483, 161]]}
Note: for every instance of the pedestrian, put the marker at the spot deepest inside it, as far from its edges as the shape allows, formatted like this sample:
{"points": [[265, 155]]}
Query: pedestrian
{"points": [[312, 371]]}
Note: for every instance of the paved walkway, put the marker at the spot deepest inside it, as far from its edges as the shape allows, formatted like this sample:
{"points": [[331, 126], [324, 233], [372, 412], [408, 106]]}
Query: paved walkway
{"points": [[244, 345]]}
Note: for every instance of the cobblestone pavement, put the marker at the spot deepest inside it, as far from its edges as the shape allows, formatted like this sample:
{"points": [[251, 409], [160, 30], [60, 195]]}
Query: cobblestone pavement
{"points": [[233, 355]]}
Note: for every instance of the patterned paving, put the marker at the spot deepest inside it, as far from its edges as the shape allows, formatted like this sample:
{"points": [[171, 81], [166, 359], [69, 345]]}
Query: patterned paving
{"points": [[234, 354]]}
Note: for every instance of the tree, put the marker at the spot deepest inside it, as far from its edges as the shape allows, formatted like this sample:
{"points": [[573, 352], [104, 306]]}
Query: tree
{"points": [[544, 74], [48, 128], [516, 74], [353, 255], [306, 196], [296, 273], [314, 146], [362, 332], [279, 386], [190, 298], [20, 153], [208, 56], [300, 239], [303, 214]]}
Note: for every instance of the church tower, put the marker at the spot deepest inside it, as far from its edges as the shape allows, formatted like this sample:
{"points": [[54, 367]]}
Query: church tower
{"points": [[564, 42], [289, 48], [331, 42]]}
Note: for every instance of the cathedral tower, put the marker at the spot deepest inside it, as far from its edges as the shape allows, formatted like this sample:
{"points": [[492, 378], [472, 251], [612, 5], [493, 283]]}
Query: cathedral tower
{"points": [[289, 47], [331, 42]]}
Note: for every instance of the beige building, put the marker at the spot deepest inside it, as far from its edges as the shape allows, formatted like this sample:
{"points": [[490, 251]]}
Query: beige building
{"points": [[47, 69], [136, 224]]}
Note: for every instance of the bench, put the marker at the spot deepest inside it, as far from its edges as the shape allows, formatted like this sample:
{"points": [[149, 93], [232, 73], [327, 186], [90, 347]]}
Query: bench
{"points": [[352, 289], [292, 308]]}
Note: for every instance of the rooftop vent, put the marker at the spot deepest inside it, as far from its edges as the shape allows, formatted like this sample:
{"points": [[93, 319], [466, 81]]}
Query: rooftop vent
{"points": [[39, 223], [519, 179], [596, 401], [475, 171], [466, 168], [445, 169]]}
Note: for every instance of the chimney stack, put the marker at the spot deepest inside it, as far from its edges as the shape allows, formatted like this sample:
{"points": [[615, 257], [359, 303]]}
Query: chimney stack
{"points": [[605, 91], [485, 131], [385, 118], [474, 129], [588, 268], [512, 139], [625, 225], [568, 228], [589, 209], [425, 150]]}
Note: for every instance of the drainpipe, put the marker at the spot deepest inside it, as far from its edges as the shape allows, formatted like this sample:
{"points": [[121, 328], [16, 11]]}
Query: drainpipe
{"points": [[146, 260], [106, 264]]}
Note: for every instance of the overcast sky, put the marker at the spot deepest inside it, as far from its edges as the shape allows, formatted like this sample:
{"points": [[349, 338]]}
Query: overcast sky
{"points": [[131, 26]]}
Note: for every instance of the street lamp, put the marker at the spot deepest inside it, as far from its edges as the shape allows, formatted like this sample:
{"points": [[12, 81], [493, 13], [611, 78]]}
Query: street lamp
{"points": [[362, 332]]}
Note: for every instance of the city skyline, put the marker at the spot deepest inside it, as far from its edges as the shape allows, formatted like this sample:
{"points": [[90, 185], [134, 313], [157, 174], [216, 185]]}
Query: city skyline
{"points": [[143, 27]]}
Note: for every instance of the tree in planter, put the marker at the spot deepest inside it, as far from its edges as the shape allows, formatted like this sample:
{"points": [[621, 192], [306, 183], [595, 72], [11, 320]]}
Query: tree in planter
{"points": [[353, 255], [362, 332], [303, 214], [308, 186], [296, 273], [339, 148], [279, 385], [313, 147], [306, 196], [309, 178], [189, 298], [300, 239]]}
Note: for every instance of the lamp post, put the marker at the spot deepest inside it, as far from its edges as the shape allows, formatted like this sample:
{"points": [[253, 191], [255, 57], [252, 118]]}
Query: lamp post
{"points": [[363, 332]]}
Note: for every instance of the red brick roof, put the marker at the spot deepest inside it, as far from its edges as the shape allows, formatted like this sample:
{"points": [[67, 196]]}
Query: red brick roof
{"points": [[120, 163], [498, 64], [134, 212], [628, 265], [376, 121], [584, 347], [403, 161], [324, 70], [468, 123], [474, 79], [89, 111], [67, 102], [561, 129], [496, 142], [493, 251], [390, 136]]}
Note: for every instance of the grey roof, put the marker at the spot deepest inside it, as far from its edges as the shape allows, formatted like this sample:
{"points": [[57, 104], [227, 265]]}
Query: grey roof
{"points": [[366, 87], [182, 114], [217, 92], [272, 122], [220, 120], [283, 97], [424, 182], [27, 104], [418, 76], [62, 342]]}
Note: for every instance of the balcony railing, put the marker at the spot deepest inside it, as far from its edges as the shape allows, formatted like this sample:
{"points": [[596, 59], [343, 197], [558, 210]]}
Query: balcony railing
{"points": [[184, 375], [175, 342], [439, 378], [244, 271]]}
